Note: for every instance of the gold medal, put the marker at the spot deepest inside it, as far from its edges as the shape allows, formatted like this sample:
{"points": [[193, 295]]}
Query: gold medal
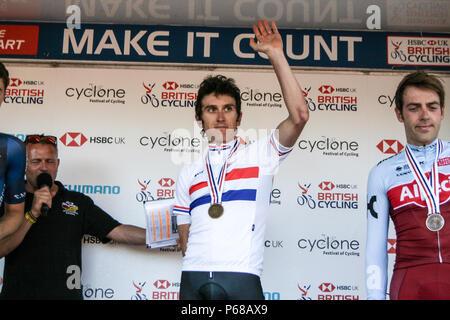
{"points": [[435, 222], [215, 210]]}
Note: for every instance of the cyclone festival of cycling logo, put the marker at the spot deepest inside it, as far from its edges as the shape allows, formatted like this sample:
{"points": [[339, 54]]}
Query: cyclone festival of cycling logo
{"points": [[328, 195]]}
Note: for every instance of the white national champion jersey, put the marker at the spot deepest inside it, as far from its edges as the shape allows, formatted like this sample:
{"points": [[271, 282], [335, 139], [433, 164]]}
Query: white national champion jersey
{"points": [[233, 242]]}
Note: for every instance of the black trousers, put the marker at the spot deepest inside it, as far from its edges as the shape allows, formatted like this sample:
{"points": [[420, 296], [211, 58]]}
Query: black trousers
{"points": [[196, 285]]}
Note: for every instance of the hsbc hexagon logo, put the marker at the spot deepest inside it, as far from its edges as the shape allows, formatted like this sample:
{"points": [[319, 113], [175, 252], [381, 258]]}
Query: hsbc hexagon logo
{"points": [[166, 182], [326, 89], [326, 185], [161, 284], [15, 82], [73, 139], [390, 146], [327, 287], [170, 85]]}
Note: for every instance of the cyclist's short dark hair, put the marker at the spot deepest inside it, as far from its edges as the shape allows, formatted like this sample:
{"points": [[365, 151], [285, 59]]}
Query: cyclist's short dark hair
{"points": [[218, 84], [4, 75], [419, 79]]}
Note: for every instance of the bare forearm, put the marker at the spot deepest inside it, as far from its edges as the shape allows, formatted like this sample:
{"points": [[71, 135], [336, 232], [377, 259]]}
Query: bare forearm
{"points": [[128, 234], [183, 231], [11, 242], [11, 220], [290, 88]]}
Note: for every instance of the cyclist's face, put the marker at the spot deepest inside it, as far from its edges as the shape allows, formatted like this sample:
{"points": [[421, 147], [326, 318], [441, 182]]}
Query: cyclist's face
{"points": [[219, 117], [421, 115]]}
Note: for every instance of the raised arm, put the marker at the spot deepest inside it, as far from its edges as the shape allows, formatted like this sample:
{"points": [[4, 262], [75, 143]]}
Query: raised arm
{"points": [[269, 42]]}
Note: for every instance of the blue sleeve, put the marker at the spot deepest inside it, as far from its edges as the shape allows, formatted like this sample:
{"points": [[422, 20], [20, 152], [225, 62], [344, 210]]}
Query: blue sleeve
{"points": [[15, 171], [377, 235]]}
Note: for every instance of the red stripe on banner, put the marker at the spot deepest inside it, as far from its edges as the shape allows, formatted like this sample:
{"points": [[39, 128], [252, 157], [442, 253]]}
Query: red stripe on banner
{"points": [[243, 173], [198, 186]]}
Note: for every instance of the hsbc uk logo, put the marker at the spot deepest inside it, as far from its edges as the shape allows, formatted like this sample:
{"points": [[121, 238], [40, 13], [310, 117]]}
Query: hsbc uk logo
{"points": [[326, 89], [73, 139], [327, 287], [170, 85], [330, 291], [78, 139], [166, 188], [161, 284], [165, 290], [390, 146], [331, 98], [326, 185]]}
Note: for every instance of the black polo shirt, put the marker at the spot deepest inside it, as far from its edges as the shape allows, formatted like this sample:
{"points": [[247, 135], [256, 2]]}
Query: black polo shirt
{"points": [[38, 267]]}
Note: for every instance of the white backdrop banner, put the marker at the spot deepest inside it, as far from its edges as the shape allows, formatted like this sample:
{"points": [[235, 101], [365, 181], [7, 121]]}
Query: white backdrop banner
{"points": [[124, 134]]}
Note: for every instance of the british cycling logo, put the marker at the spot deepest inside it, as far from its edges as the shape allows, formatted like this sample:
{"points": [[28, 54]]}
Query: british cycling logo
{"points": [[139, 295], [26, 91], [330, 195], [332, 99], [144, 194], [172, 94]]}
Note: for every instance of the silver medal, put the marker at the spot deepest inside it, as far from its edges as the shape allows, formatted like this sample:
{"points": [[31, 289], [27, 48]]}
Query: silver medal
{"points": [[435, 222]]}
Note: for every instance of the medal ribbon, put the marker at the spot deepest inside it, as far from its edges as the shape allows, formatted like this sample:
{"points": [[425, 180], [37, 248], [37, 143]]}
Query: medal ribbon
{"points": [[429, 188], [216, 187]]}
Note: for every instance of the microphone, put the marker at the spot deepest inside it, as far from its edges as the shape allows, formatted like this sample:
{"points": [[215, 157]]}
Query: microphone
{"points": [[42, 180]]}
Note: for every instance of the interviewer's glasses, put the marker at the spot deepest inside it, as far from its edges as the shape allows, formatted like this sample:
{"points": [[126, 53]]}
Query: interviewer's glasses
{"points": [[35, 138]]}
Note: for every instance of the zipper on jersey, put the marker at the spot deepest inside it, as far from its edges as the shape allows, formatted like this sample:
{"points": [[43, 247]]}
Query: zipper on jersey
{"points": [[439, 247]]}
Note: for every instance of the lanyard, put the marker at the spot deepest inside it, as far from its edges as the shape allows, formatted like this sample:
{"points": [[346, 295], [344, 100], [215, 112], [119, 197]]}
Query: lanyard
{"points": [[216, 187], [429, 188]]}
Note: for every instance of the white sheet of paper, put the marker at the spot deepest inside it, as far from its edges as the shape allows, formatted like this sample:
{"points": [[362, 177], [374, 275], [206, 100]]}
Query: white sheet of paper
{"points": [[161, 226]]}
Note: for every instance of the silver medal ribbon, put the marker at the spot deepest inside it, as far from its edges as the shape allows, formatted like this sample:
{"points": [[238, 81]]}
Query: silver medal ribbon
{"points": [[429, 188]]}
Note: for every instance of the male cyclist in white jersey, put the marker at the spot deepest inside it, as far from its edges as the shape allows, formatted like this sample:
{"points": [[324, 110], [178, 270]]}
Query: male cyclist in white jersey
{"points": [[222, 200]]}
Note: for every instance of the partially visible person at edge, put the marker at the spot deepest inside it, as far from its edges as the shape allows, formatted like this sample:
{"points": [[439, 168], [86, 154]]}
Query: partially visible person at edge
{"points": [[12, 168], [43, 258], [222, 200], [412, 187]]}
